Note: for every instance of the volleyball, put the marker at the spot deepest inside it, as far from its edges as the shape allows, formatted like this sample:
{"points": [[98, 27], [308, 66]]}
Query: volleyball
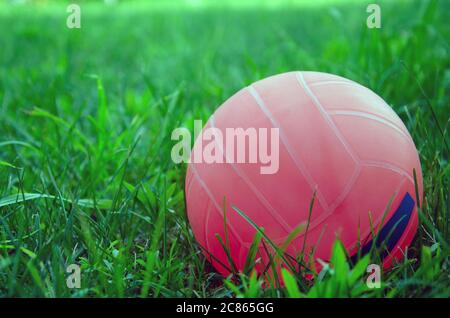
{"points": [[327, 138]]}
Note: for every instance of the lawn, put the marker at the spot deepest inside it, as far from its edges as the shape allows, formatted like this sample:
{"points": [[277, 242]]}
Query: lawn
{"points": [[86, 117]]}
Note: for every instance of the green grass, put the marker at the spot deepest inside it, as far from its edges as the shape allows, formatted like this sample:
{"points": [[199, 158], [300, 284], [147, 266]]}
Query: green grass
{"points": [[86, 117]]}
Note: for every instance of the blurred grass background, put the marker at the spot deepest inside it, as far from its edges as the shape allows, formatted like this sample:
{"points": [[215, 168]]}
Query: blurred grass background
{"points": [[86, 116]]}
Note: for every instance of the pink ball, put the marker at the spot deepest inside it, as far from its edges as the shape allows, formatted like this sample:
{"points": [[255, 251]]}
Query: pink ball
{"points": [[337, 138]]}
